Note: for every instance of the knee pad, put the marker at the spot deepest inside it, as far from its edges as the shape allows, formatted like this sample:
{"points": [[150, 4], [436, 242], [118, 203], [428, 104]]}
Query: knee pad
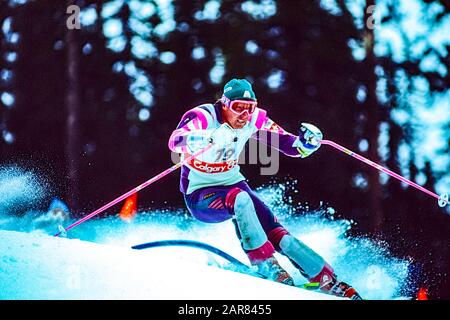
{"points": [[250, 229], [230, 199]]}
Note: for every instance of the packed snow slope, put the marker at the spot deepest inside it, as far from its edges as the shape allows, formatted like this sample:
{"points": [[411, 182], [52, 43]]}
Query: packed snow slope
{"points": [[96, 260], [35, 266]]}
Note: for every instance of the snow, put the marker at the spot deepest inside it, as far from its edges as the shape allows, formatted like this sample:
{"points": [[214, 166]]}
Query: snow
{"points": [[38, 266], [96, 260]]}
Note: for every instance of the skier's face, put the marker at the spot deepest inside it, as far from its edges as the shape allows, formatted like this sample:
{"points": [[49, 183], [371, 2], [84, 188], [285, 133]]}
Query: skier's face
{"points": [[234, 120]]}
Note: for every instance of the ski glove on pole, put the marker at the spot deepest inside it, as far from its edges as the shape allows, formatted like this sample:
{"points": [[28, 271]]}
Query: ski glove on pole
{"points": [[309, 138]]}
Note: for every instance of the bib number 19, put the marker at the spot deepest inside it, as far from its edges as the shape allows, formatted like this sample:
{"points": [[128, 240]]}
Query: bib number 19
{"points": [[224, 154]]}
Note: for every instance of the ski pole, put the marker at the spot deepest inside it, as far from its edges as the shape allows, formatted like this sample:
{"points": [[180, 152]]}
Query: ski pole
{"points": [[442, 199], [138, 188]]}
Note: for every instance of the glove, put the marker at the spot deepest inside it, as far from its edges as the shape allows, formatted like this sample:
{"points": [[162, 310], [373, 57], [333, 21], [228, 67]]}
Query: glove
{"points": [[197, 140], [221, 137], [309, 138]]}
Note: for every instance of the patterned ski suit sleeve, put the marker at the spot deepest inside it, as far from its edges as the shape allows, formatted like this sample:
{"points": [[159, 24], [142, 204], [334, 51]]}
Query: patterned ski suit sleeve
{"points": [[192, 121], [276, 137]]}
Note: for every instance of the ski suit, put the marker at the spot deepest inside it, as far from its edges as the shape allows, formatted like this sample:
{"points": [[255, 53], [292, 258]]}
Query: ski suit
{"points": [[215, 190]]}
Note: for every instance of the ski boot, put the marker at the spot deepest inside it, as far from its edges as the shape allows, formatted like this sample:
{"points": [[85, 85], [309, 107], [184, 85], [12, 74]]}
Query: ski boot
{"points": [[341, 289], [271, 269], [327, 282]]}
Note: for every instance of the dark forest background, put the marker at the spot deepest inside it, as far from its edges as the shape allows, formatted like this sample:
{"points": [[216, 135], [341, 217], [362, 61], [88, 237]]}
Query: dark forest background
{"points": [[91, 109]]}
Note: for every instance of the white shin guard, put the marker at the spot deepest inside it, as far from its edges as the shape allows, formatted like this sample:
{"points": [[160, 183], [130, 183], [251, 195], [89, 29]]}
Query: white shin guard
{"points": [[252, 233], [302, 255]]}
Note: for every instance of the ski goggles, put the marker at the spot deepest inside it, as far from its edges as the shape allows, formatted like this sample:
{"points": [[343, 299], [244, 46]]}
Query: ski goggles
{"points": [[240, 106]]}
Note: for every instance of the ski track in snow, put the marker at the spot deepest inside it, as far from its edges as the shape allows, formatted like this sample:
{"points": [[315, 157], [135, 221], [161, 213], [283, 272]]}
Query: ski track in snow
{"points": [[97, 262]]}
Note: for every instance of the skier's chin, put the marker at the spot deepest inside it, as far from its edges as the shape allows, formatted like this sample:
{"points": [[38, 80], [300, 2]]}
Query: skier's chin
{"points": [[239, 124]]}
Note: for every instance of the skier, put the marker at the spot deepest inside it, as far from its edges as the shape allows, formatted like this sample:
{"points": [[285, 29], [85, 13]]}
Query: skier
{"points": [[214, 190]]}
